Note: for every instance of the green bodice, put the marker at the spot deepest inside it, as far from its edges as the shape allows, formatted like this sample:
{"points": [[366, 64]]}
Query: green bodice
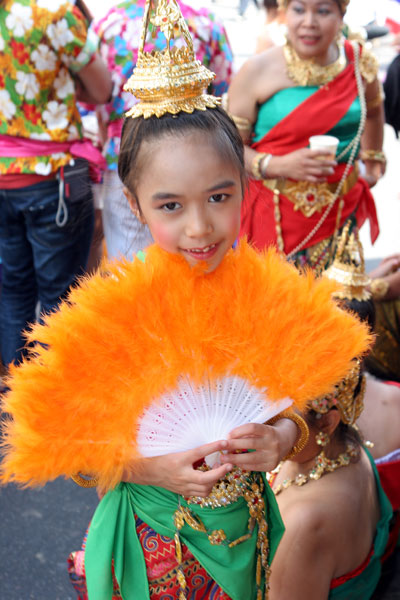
{"points": [[285, 101]]}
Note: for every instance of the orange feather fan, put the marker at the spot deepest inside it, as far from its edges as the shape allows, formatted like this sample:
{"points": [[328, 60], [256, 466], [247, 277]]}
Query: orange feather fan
{"points": [[120, 341]]}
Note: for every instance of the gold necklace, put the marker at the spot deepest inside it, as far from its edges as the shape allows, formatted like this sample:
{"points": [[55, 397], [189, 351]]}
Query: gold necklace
{"points": [[308, 72], [322, 466]]}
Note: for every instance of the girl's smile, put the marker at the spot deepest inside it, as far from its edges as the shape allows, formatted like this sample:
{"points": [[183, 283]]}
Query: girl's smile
{"points": [[189, 196]]}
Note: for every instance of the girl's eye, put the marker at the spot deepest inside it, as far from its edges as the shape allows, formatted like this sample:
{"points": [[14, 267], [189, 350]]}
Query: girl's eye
{"points": [[218, 197], [170, 206]]}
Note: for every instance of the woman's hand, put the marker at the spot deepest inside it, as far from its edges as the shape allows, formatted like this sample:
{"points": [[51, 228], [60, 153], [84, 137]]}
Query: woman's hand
{"points": [[374, 170], [388, 265], [270, 445], [302, 165], [175, 472]]}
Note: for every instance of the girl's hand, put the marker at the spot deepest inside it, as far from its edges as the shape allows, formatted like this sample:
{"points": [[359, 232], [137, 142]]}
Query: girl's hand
{"points": [[302, 165], [175, 472], [270, 445]]}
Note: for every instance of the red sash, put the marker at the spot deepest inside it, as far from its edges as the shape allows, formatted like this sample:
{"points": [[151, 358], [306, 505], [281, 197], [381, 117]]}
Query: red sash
{"points": [[316, 115]]}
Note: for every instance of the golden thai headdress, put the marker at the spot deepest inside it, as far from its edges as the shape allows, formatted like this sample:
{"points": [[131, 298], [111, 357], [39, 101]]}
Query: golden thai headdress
{"points": [[342, 3], [171, 80], [349, 404], [348, 268]]}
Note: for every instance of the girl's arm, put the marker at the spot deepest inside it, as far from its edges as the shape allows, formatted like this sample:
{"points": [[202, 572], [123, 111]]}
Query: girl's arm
{"points": [[271, 443], [175, 472], [303, 565]]}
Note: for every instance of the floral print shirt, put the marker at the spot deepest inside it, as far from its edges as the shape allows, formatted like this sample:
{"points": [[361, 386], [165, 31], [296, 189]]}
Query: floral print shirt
{"points": [[119, 34], [43, 43]]}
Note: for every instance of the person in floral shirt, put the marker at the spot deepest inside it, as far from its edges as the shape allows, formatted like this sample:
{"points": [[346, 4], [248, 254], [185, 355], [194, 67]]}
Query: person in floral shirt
{"points": [[47, 56], [119, 33]]}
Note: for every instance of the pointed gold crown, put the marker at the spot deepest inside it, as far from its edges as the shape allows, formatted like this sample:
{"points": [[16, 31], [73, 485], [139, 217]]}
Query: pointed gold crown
{"points": [[170, 81], [348, 268], [342, 3]]}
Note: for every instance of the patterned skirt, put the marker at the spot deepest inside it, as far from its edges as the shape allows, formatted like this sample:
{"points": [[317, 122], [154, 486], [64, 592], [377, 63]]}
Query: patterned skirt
{"points": [[161, 567]]}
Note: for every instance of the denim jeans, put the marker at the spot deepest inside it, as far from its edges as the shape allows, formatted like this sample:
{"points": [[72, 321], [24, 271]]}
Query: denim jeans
{"points": [[41, 258]]}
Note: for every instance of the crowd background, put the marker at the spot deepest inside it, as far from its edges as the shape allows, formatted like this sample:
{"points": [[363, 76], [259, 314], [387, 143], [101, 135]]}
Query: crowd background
{"points": [[33, 555]]}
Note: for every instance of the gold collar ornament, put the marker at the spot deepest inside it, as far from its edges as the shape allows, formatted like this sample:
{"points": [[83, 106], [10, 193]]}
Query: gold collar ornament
{"points": [[343, 4], [172, 80], [348, 268], [308, 72]]}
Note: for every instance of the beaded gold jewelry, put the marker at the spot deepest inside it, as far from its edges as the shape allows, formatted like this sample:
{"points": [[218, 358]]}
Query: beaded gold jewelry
{"points": [[84, 481], [348, 268], [375, 155], [350, 406], [173, 80], [322, 466], [308, 72], [379, 288], [303, 427]]}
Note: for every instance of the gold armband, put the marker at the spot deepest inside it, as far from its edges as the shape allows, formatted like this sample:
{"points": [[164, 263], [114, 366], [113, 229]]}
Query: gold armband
{"points": [[301, 424], [379, 288], [376, 155], [242, 123], [260, 164], [84, 482]]}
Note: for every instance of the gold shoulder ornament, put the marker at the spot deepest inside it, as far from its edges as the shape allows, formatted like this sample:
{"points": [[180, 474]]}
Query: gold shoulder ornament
{"points": [[171, 80], [368, 64]]}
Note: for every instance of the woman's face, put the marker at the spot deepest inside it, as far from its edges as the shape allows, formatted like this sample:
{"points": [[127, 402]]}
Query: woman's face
{"points": [[313, 26], [190, 197]]}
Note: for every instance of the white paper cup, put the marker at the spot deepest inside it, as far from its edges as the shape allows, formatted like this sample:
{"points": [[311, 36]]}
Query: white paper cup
{"points": [[324, 142]]}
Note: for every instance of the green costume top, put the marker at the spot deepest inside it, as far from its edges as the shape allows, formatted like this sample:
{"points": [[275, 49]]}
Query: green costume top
{"points": [[276, 108], [362, 586], [112, 536]]}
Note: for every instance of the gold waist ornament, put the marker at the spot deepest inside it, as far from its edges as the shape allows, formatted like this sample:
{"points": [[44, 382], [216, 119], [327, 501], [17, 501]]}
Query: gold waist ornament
{"points": [[310, 198], [236, 484]]}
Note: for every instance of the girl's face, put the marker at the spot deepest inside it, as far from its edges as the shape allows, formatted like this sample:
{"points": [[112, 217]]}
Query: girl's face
{"points": [[189, 197], [313, 26]]}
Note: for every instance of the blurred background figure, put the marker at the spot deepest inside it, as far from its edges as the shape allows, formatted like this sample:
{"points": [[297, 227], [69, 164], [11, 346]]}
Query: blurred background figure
{"points": [[49, 61], [274, 31], [243, 4], [119, 33], [299, 198]]}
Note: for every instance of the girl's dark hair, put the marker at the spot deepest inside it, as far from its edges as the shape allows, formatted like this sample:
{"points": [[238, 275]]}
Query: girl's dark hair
{"points": [[80, 4], [214, 122]]}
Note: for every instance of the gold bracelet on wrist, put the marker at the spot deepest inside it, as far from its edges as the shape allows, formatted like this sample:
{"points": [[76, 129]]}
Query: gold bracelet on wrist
{"points": [[84, 482], [379, 288], [301, 424], [375, 155], [256, 163]]}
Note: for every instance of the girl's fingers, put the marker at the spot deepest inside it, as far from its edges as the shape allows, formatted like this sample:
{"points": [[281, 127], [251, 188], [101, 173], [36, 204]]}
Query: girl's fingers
{"points": [[211, 477], [206, 449], [248, 430]]}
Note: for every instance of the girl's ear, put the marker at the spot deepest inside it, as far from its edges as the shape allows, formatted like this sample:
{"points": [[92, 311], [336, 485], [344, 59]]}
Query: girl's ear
{"points": [[330, 421], [134, 205]]}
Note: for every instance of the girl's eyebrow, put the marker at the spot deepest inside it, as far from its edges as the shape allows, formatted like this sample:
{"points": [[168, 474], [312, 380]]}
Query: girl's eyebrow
{"points": [[164, 196], [223, 184]]}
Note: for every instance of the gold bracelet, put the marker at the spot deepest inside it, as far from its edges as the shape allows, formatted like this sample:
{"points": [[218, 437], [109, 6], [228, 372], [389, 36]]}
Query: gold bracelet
{"points": [[379, 288], [83, 482], [256, 165], [301, 424], [376, 155]]}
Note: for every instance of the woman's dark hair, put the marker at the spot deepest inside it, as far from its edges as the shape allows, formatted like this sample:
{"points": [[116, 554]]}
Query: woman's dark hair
{"points": [[364, 309], [213, 121], [270, 4]]}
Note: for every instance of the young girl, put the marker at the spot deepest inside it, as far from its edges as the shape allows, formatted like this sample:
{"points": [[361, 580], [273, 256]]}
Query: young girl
{"points": [[175, 528]]}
